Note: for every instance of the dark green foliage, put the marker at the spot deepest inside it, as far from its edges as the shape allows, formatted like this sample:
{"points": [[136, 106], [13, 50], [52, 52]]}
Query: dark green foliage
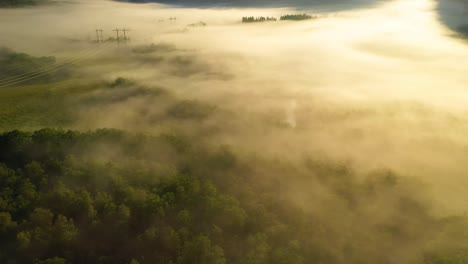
{"points": [[257, 19], [296, 17], [34, 107], [200, 250], [110, 197], [17, 66]]}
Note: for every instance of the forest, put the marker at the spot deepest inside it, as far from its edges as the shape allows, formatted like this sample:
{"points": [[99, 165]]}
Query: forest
{"points": [[297, 17], [109, 196], [257, 19], [294, 17], [330, 142]]}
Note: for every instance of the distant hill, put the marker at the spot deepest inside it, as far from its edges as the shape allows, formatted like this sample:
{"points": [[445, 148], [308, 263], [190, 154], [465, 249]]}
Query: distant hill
{"points": [[454, 13], [19, 3], [263, 3]]}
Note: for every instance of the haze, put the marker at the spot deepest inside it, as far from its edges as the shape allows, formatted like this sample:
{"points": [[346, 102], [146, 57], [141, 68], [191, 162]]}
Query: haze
{"points": [[378, 85]]}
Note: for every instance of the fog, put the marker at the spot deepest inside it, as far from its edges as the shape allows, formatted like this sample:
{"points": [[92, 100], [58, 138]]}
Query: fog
{"points": [[377, 86]]}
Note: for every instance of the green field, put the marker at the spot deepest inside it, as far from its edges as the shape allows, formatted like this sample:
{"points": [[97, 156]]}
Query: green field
{"points": [[35, 106]]}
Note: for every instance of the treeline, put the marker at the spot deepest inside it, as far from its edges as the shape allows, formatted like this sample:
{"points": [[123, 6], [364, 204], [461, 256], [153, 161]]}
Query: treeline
{"points": [[296, 17], [111, 197], [257, 19]]}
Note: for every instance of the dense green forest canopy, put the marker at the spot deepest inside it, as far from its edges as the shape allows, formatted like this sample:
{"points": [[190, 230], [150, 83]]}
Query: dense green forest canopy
{"points": [[107, 196]]}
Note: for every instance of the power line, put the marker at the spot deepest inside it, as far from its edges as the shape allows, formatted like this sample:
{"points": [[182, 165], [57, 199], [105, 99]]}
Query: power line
{"points": [[39, 70], [120, 38], [40, 74], [48, 68], [19, 68], [45, 72]]}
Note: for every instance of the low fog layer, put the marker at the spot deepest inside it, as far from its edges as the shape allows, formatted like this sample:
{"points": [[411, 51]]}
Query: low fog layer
{"points": [[378, 87], [331, 133], [381, 87]]}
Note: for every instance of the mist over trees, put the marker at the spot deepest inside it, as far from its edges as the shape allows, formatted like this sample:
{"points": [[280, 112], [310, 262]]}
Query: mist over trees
{"points": [[17, 66], [108, 196], [231, 150]]}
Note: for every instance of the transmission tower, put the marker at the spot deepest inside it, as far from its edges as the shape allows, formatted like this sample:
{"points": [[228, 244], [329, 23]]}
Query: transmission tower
{"points": [[117, 33], [99, 36], [125, 34]]}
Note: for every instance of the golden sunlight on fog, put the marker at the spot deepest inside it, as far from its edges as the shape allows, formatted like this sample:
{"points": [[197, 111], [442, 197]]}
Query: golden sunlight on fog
{"points": [[384, 86], [233, 135]]}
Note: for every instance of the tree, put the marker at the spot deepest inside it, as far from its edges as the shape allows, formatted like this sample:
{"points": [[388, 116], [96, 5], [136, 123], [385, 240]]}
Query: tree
{"points": [[6, 223], [200, 250]]}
